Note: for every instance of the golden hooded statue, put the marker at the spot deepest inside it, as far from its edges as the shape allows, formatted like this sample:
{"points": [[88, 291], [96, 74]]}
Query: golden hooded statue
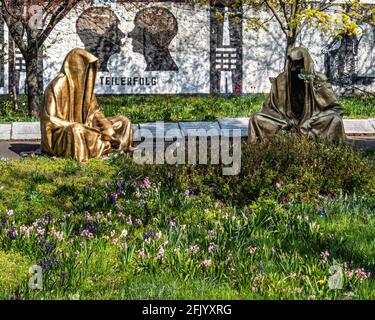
{"points": [[72, 124], [302, 101]]}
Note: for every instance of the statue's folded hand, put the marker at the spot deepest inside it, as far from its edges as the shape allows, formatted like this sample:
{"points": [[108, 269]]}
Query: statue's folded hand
{"points": [[115, 142], [289, 124], [307, 125], [108, 134]]}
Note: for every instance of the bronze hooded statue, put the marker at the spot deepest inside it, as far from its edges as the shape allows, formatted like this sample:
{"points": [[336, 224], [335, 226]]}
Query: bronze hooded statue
{"points": [[302, 101], [72, 124]]}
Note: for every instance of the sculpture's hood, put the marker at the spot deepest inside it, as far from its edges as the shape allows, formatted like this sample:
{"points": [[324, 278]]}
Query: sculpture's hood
{"points": [[299, 53], [80, 68]]}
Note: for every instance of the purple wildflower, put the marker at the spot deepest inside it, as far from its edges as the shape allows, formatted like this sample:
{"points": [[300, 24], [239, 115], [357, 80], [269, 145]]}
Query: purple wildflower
{"points": [[114, 197], [108, 185], [149, 235], [172, 221], [188, 193], [322, 213], [12, 234]]}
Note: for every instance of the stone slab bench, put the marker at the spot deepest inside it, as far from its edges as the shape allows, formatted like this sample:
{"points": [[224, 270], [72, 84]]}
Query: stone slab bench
{"points": [[200, 129], [26, 131], [359, 127], [228, 125], [173, 130], [169, 131]]}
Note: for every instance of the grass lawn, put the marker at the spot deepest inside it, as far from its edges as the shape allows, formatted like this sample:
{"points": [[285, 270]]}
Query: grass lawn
{"points": [[116, 230], [176, 108]]}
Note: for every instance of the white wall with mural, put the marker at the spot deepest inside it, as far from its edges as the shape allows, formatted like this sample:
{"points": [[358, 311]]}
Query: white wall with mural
{"points": [[169, 47]]}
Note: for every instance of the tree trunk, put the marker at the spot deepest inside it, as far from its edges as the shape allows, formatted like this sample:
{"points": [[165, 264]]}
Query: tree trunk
{"points": [[32, 83], [12, 74]]}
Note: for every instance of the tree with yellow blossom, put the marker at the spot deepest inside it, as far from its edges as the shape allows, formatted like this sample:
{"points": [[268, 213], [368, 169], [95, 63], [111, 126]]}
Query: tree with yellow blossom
{"points": [[293, 16]]}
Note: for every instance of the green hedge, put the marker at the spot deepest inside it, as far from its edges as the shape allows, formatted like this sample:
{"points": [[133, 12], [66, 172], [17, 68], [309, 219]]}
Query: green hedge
{"points": [[176, 107]]}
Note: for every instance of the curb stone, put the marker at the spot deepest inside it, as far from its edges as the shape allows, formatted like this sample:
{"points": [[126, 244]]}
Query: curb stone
{"points": [[5, 131]]}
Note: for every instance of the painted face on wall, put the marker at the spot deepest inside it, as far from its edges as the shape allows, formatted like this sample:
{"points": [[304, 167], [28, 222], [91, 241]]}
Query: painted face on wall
{"points": [[98, 28], [154, 30]]}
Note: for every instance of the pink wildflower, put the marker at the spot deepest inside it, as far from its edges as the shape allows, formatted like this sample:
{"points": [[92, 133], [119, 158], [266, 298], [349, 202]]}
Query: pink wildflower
{"points": [[299, 290], [211, 234], [129, 220], [147, 183], [160, 253], [10, 213], [99, 215], [87, 234], [158, 235], [141, 253], [325, 256], [194, 249], [40, 232], [212, 247], [206, 263], [88, 217], [362, 274], [124, 233], [252, 250]]}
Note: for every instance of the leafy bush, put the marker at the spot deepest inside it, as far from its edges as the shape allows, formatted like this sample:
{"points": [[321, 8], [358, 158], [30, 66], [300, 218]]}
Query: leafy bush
{"points": [[362, 106], [8, 112], [287, 167], [14, 270]]}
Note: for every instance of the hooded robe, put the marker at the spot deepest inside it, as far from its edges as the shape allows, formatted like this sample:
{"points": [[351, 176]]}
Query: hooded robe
{"points": [[300, 101], [72, 124]]}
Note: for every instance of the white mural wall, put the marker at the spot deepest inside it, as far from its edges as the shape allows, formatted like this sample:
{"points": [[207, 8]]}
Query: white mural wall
{"points": [[186, 50]]}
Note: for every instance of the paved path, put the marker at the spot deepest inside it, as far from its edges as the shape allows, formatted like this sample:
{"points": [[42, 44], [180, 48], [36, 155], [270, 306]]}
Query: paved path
{"points": [[14, 149], [362, 142]]}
